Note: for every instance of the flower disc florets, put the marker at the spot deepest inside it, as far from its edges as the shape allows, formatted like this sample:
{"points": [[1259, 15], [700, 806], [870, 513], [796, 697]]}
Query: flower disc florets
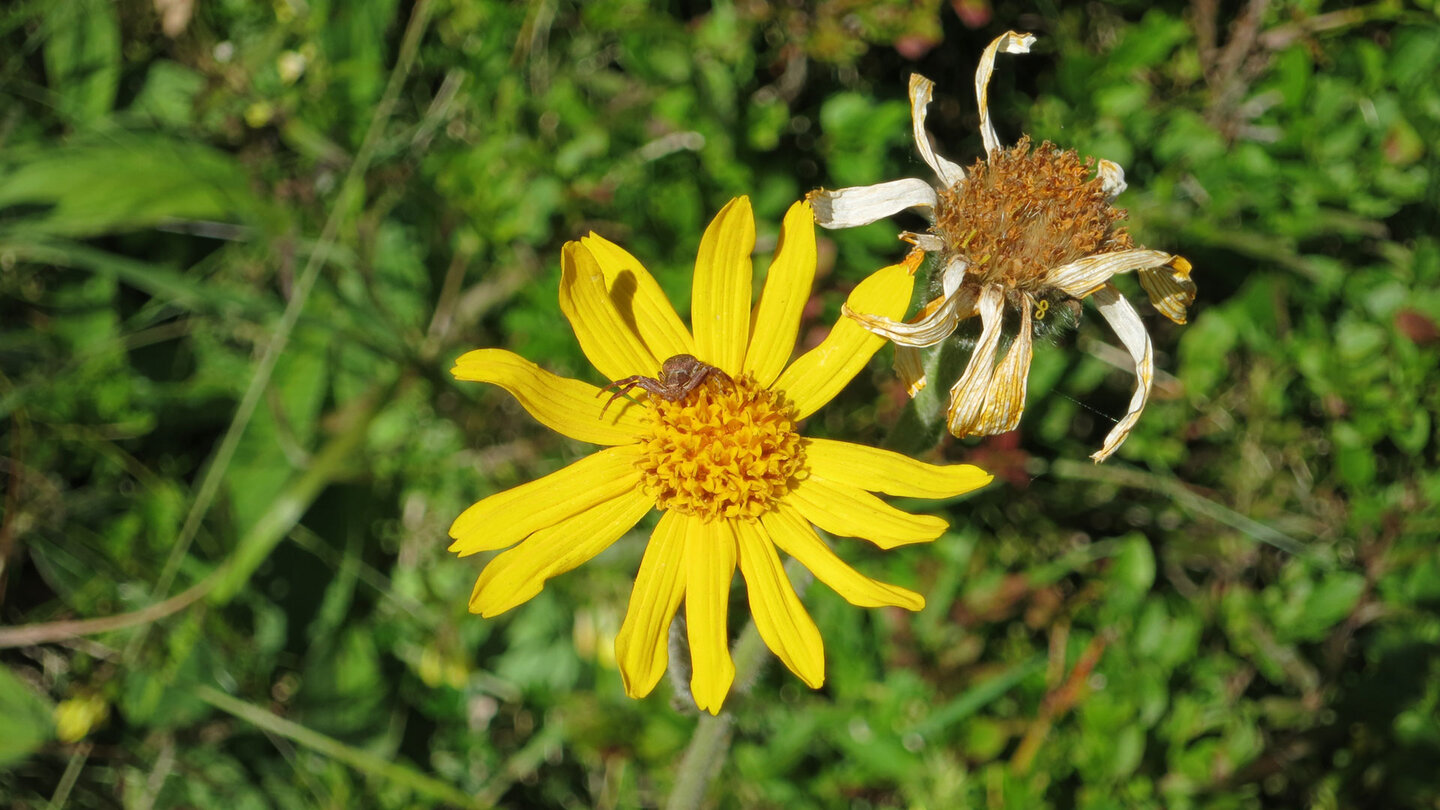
{"points": [[722, 451], [1024, 211]]}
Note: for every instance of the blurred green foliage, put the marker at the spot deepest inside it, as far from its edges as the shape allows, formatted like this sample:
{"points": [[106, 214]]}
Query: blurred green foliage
{"points": [[1242, 610]]}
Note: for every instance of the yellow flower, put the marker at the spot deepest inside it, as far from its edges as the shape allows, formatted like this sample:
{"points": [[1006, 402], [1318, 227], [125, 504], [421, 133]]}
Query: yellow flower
{"points": [[733, 479], [1029, 230]]}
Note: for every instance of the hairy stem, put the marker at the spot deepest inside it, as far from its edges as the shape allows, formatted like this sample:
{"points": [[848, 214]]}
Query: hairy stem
{"points": [[710, 742]]}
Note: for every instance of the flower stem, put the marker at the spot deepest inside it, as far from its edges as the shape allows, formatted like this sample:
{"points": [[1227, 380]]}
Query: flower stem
{"points": [[922, 424], [703, 758], [710, 742]]}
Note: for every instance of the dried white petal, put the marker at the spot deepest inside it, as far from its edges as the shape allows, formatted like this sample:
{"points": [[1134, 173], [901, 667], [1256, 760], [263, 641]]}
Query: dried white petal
{"points": [[910, 365], [1126, 323], [920, 92], [1084, 276], [1170, 289], [1005, 400], [967, 396], [952, 275], [1009, 42], [928, 242], [862, 205], [931, 325], [1112, 179]]}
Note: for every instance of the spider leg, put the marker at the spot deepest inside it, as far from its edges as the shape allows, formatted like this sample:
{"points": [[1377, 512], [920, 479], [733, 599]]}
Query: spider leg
{"points": [[690, 386], [708, 373], [624, 382], [622, 388]]}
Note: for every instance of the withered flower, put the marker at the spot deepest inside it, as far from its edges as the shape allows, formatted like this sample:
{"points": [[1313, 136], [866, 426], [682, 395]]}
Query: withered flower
{"points": [[1028, 229]]}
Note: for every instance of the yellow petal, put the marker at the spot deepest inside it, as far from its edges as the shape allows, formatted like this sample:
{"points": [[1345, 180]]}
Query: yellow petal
{"points": [[1170, 288], [709, 567], [612, 345], [642, 647], [566, 406], [879, 470], [639, 299], [787, 629], [850, 511], [508, 517], [819, 374], [517, 575], [787, 288], [792, 533], [720, 298]]}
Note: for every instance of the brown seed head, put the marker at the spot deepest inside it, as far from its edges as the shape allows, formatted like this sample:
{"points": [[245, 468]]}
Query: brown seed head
{"points": [[1023, 212]]}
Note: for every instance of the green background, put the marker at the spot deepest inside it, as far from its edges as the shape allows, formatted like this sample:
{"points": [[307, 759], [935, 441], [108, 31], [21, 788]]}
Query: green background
{"points": [[233, 213]]}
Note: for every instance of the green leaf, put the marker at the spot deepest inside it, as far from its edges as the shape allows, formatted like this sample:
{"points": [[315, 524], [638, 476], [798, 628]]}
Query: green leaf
{"points": [[1316, 607], [1205, 349], [768, 119], [859, 134], [25, 719], [168, 96], [344, 686], [978, 697], [159, 695], [82, 57], [164, 283], [1148, 43], [282, 431], [1131, 574], [1413, 57], [121, 184], [1354, 455]]}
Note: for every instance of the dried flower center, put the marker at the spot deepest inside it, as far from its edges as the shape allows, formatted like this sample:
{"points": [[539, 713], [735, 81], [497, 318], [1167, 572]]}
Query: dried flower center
{"points": [[722, 451], [1023, 212]]}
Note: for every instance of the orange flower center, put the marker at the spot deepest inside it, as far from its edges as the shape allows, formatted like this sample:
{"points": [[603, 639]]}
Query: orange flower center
{"points": [[722, 451]]}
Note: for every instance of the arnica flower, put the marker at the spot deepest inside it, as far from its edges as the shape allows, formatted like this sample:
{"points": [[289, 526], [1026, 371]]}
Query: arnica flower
{"points": [[1028, 230], [724, 463]]}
